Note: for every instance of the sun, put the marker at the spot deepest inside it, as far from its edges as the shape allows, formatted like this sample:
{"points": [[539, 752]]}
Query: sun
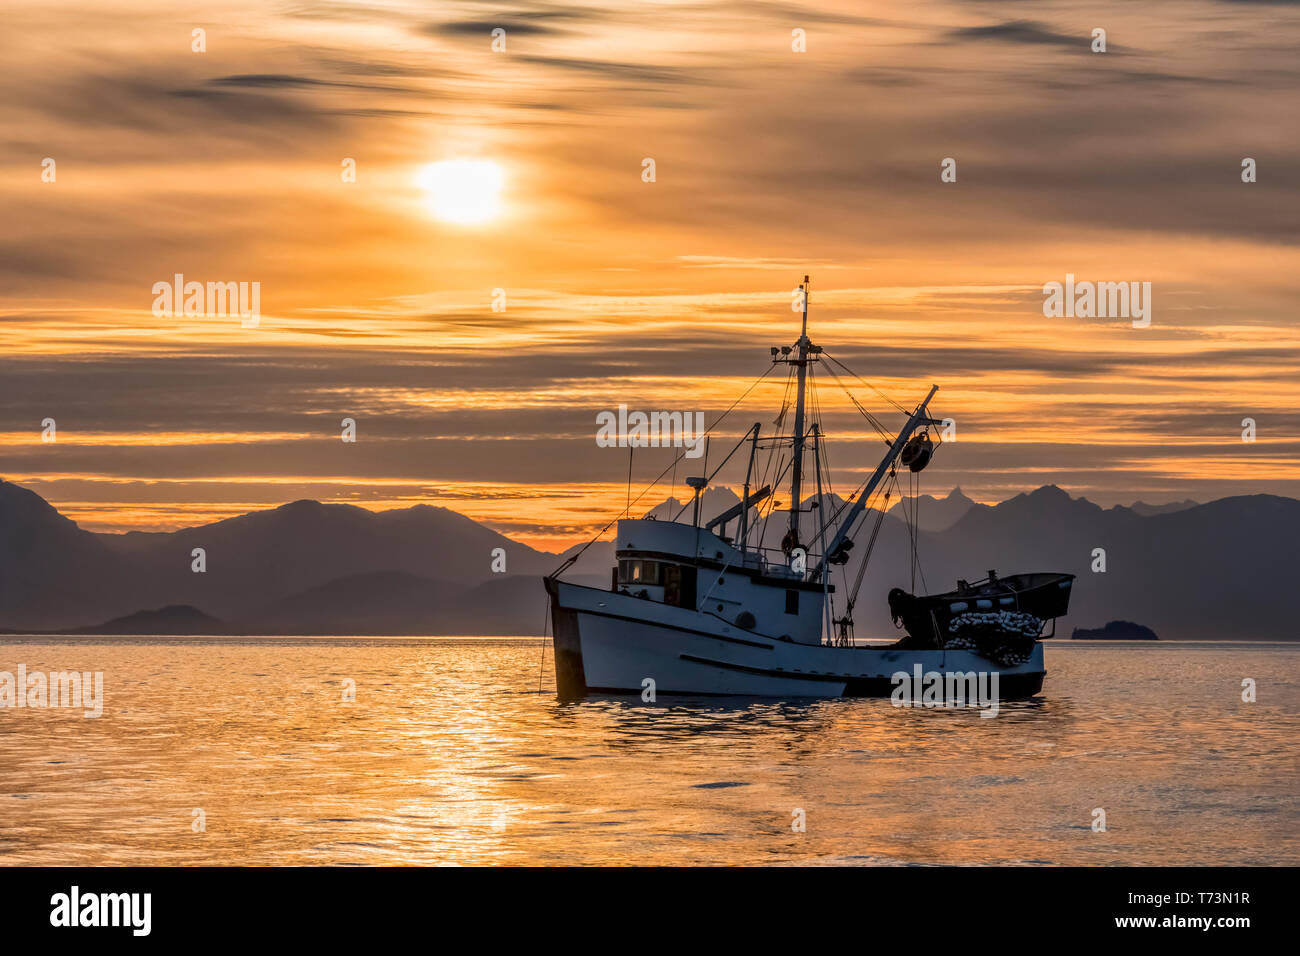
{"points": [[464, 191]]}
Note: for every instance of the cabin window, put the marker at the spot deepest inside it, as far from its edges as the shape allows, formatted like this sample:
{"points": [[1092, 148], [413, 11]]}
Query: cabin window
{"points": [[791, 602], [640, 572]]}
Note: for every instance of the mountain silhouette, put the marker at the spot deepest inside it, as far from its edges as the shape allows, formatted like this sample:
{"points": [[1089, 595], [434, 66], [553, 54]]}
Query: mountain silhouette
{"points": [[1146, 510], [54, 574], [934, 514], [1221, 570]]}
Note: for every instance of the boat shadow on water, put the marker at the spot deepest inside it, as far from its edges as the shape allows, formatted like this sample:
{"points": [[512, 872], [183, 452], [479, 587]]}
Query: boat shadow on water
{"points": [[688, 714]]}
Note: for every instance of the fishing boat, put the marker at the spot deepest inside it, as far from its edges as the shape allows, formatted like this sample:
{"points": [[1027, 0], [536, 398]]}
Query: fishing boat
{"points": [[694, 610]]}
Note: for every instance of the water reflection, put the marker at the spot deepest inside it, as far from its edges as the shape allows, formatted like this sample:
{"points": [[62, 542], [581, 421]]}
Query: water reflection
{"points": [[449, 755]]}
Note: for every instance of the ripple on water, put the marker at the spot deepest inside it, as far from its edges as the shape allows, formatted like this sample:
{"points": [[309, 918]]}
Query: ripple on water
{"points": [[445, 759]]}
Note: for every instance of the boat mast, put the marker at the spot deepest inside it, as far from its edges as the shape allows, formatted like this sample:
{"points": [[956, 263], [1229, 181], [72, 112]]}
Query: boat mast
{"points": [[801, 363]]}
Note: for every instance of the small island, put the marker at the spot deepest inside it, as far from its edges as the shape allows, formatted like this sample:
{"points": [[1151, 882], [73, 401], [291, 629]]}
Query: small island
{"points": [[174, 619], [1115, 631]]}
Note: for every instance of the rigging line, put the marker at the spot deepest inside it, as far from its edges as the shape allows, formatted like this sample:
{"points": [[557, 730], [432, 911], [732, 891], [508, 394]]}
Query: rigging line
{"points": [[858, 489], [704, 600], [772, 448], [764, 507], [815, 414], [865, 382], [772, 466], [672, 494], [916, 546], [844, 505], [906, 502], [916, 532], [866, 557], [709, 478], [772, 462], [815, 402], [875, 422], [848, 502], [568, 563], [753, 386], [828, 604], [911, 482], [785, 399], [840, 509], [783, 467], [743, 439], [871, 419], [844, 577], [826, 458], [771, 501], [546, 624], [812, 418], [889, 486], [763, 467], [912, 513], [830, 487]]}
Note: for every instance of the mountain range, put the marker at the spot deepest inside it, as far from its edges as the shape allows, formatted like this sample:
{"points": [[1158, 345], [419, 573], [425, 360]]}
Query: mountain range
{"points": [[1221, 570]]}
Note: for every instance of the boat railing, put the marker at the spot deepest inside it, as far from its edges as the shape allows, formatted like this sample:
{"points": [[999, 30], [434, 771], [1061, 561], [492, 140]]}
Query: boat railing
{"points": [[775, 563]]}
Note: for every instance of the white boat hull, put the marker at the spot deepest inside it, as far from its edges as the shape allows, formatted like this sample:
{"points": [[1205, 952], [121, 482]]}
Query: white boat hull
{"points": [[607, 642]]}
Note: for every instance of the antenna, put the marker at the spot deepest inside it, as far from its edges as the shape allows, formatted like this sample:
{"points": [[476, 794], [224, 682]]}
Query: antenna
{"points": [[807, 290]]}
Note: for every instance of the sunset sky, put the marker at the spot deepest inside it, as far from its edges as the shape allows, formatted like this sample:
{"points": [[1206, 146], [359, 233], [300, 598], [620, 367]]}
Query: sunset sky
{"points": [[376, 303]]}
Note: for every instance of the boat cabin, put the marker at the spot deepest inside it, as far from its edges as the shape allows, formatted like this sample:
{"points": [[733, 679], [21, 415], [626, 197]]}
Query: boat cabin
{"points": [[688, 567]]}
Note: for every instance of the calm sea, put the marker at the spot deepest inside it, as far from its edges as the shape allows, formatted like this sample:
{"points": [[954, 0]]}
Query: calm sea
{"points": [[450, 755]]}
